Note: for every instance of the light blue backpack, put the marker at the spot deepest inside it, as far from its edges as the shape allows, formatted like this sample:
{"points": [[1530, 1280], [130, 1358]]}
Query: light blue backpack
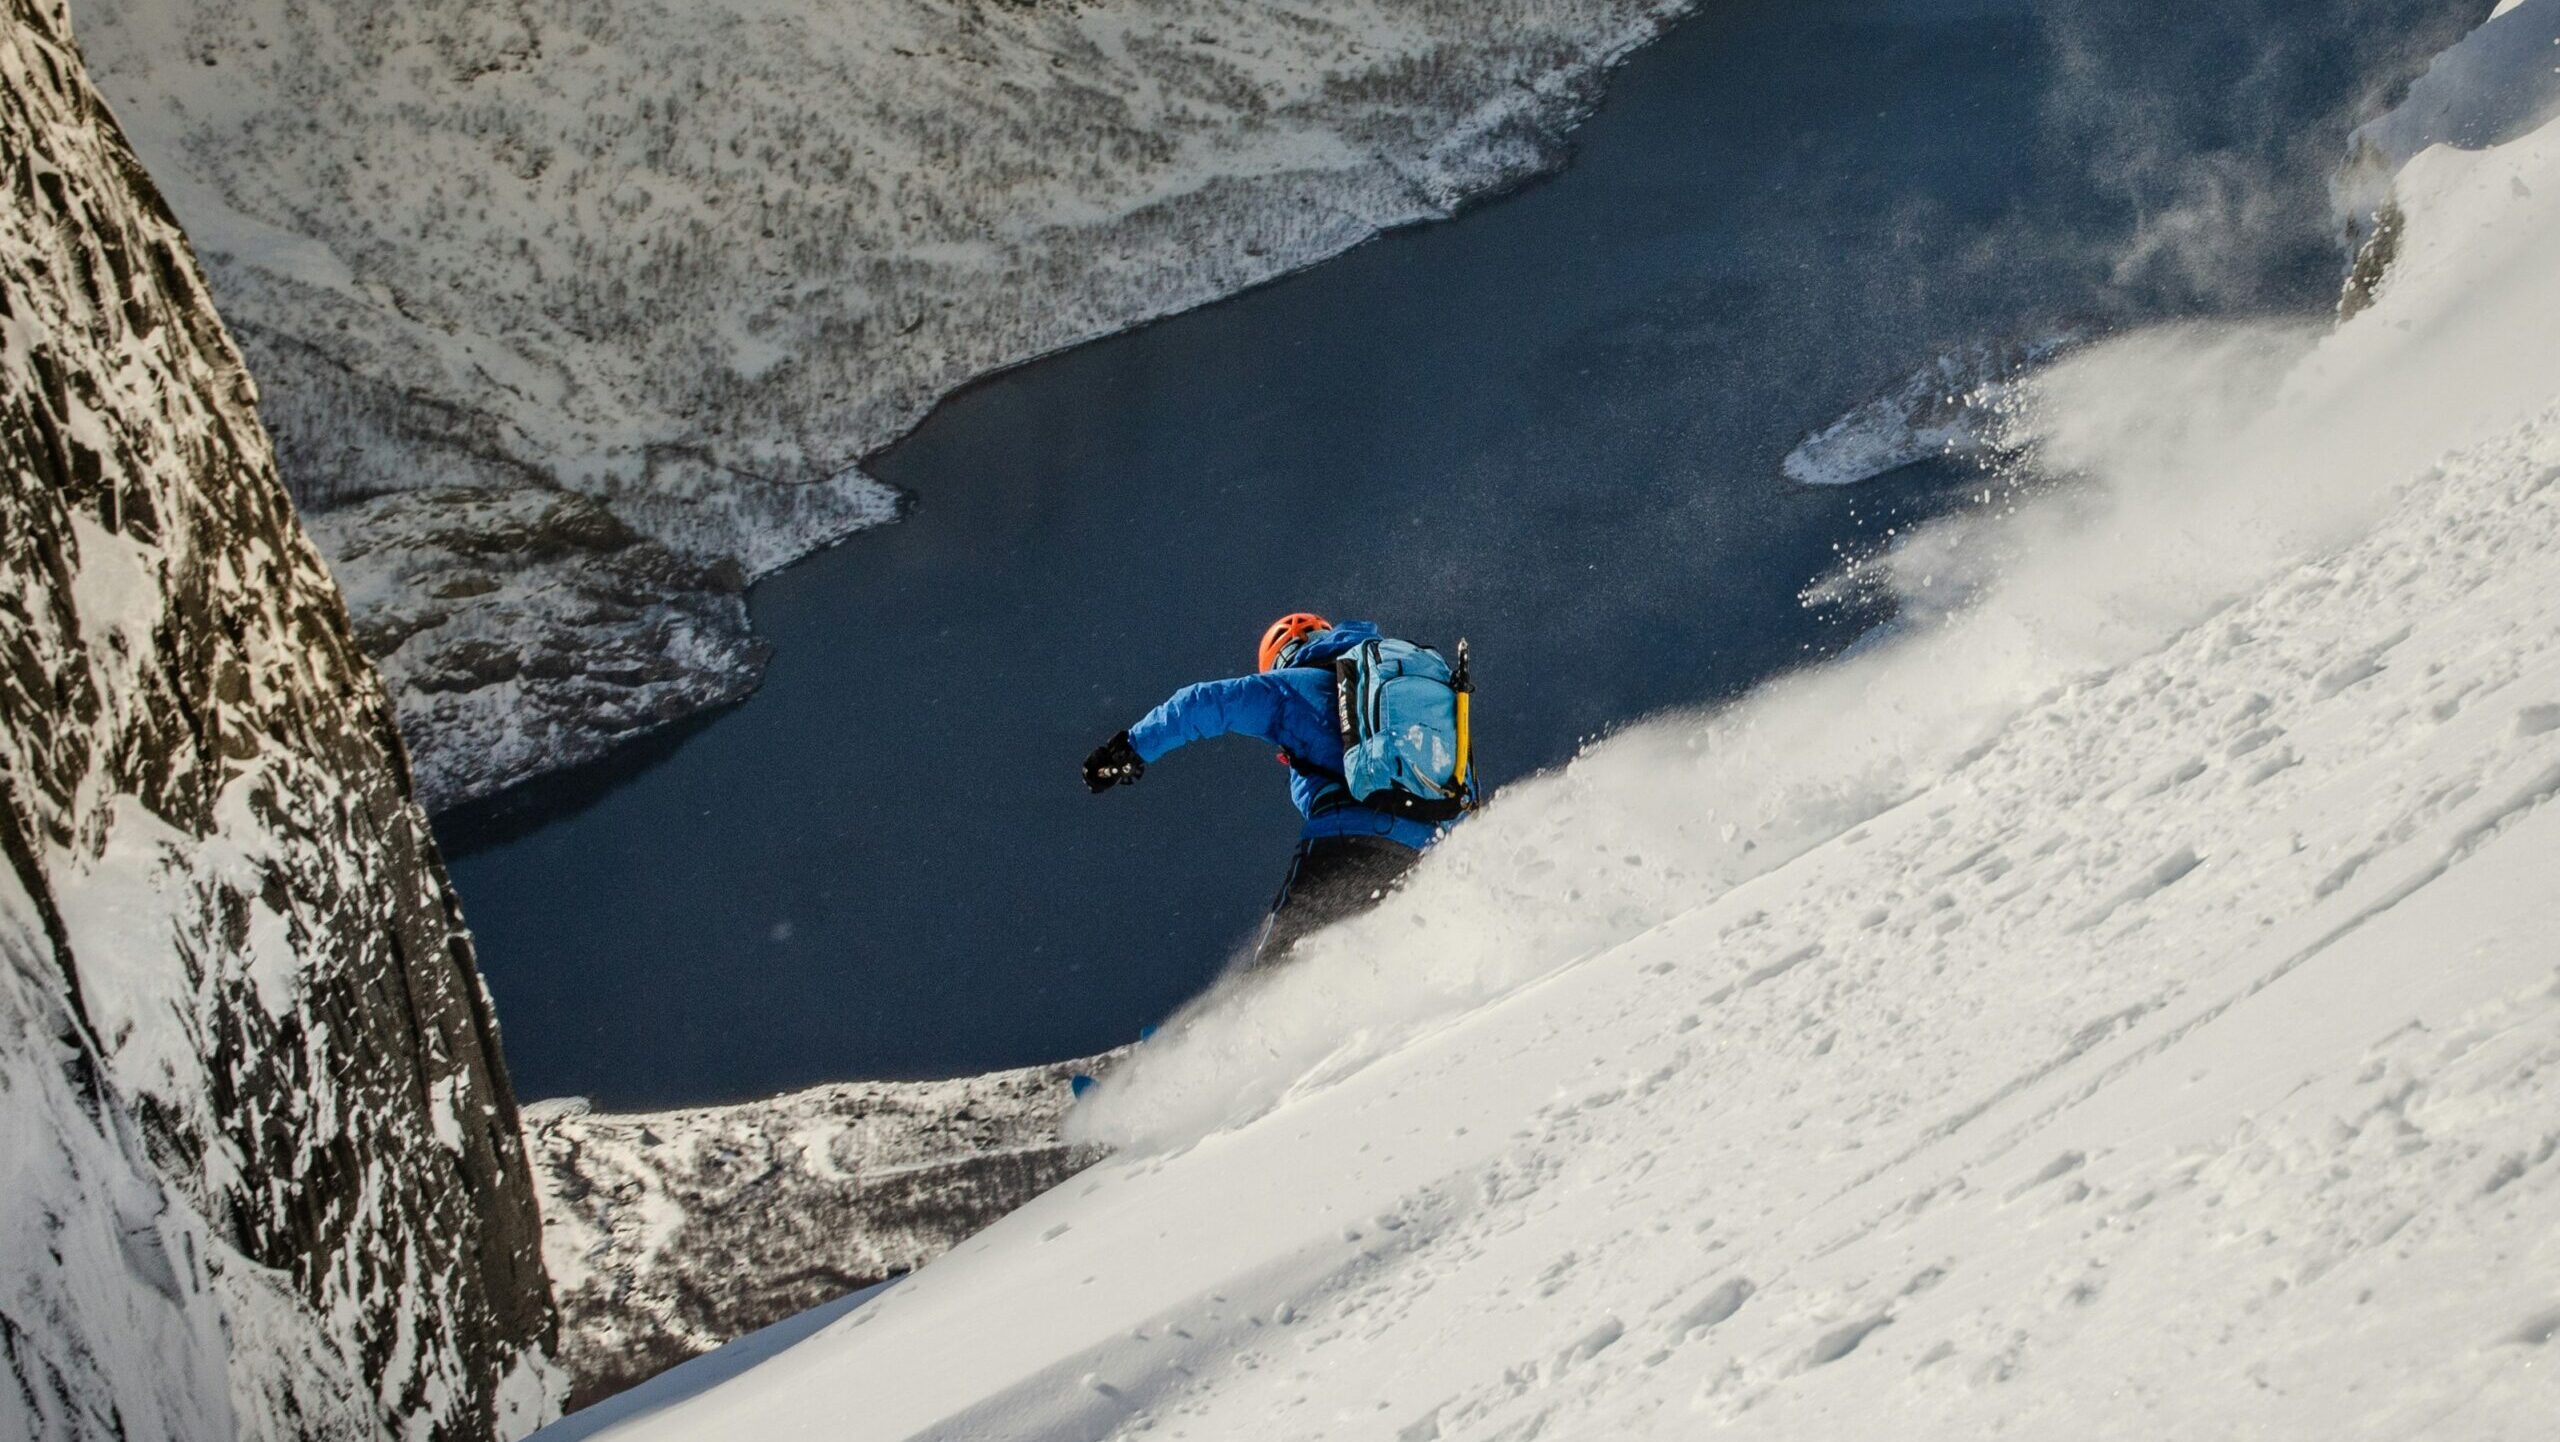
{"points": [[1406, 749]]}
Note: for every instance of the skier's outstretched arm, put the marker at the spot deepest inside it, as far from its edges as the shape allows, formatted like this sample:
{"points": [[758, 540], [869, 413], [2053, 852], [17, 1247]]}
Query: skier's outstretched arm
{"points": [[1240, 706]]}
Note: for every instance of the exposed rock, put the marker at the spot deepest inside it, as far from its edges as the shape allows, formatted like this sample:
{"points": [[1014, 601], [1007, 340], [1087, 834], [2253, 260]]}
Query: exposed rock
{"points": [[673, 1232], [2373, 261], [264, 1178], [528, 629]]}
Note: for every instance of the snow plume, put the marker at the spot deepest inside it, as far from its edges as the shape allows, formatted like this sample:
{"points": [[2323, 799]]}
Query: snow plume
{"points": [[1999, 607], [2183, 467], [2176, 1059]]}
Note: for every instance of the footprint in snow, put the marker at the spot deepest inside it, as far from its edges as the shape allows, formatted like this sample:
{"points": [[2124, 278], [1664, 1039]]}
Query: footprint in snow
{"points": [[2060, 1166], [2538, 1329], [1601, 1337], [1725, 1299], [1839, 1342]]}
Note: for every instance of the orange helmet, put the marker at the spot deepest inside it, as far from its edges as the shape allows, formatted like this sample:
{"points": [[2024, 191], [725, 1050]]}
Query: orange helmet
{"points": [[1286, 633]]}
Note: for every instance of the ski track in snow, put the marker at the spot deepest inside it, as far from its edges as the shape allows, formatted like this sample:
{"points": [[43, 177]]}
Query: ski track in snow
{"points": [[2129, 1010]]}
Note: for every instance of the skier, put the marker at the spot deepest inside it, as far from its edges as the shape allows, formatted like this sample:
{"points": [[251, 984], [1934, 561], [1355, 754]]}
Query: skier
{"points": [[1363, 832]]}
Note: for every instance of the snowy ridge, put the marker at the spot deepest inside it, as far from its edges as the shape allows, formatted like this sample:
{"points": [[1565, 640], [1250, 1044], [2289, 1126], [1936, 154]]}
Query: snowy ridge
{"points": [[2500, 81], [694, 262], [670, 1233], [2127, 1007], [264, 1177]]}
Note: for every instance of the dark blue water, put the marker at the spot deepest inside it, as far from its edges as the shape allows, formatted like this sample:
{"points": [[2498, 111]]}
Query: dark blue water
{"points": [[1552, 426]]}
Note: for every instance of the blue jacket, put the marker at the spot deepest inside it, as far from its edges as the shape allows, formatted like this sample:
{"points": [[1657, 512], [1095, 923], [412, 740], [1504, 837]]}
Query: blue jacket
{"points": [[1290, 707]]}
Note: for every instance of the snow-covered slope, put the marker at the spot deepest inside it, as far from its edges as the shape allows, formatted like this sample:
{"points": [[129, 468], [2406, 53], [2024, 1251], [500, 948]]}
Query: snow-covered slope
{"points": [[260, 1172], [695, 260], [670, 1233], [2127, 1007]]}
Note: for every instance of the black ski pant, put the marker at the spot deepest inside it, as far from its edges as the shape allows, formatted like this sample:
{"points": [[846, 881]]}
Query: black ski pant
{"points": [[1330, 878]]}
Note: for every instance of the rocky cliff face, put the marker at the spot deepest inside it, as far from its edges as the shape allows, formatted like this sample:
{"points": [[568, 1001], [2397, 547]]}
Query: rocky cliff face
{"points": [[265, 1177], [673, 1232]]}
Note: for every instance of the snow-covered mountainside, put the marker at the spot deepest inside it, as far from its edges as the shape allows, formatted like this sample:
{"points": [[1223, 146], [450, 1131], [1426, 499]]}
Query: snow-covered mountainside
{"points": [[263, 1176], [695, 261], [670, 1233], [2126, 1007]]}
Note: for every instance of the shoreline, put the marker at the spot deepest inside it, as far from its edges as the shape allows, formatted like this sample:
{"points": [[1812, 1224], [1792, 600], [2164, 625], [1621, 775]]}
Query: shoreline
{"points": [[575, 458], [506, 813]]}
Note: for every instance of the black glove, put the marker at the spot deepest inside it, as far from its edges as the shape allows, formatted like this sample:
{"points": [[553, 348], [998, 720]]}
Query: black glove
{"points": [[1114, 762]]}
